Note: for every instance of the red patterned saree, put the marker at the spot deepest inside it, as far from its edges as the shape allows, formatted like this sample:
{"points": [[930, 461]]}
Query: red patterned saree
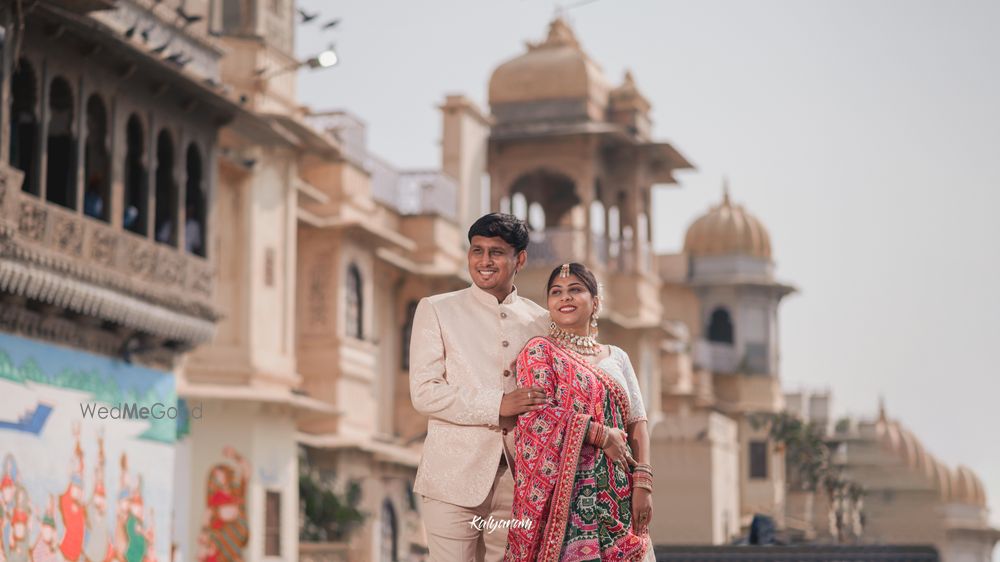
{"points": [[570, 502]]}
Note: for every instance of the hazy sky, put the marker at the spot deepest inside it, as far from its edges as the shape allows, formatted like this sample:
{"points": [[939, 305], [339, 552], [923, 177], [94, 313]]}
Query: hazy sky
{"points": [[864, 133]]}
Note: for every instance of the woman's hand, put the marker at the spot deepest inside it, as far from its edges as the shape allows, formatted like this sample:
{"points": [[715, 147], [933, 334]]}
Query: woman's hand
{"points": [[642, 510], [616, 447]]}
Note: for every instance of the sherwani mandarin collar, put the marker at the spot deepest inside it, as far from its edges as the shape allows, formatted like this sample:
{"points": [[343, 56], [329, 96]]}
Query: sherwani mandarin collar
{"points": [[489, 299]]}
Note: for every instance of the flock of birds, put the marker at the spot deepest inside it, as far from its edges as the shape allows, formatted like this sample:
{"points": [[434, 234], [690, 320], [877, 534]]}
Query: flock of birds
{"points": [[185, 19]]}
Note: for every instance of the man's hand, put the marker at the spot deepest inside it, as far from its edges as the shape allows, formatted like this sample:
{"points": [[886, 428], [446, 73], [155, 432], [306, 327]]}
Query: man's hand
{"points": [[521, 400], [616, 447]]}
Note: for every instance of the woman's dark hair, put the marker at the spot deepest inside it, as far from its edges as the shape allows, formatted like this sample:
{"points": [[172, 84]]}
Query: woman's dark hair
{"points": [[507, 227], [585, 275]]}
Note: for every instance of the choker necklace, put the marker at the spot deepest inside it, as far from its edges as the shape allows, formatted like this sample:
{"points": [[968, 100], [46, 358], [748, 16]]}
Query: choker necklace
{"points": [[584, 345]]}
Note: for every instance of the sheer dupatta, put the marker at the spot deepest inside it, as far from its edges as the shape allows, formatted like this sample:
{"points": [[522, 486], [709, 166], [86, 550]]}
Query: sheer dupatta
{"points": [[570, 502]]}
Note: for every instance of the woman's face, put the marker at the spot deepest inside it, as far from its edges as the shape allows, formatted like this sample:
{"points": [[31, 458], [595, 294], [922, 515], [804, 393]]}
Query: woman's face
{"points": [[570, 303]]}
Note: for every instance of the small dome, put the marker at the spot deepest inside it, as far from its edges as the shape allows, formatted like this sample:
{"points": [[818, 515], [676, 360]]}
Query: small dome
{"points": [[728, 229], [968, 489], [628, 95], [556, 68]]}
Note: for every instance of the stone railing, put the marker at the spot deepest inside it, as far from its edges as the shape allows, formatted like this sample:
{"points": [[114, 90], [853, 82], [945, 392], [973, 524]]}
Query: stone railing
{"points": [[323, 552], [59, 256]]}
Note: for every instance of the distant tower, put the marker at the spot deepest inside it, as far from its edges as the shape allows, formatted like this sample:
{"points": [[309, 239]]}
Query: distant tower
{"points": [[732, 273], [572, 153]]}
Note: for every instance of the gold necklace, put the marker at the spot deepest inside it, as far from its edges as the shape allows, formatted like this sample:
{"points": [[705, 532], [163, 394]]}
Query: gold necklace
{"points": [[584, 345]]}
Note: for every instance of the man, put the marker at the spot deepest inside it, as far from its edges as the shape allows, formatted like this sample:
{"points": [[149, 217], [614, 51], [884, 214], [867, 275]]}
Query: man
{"points": [[462, 348]]}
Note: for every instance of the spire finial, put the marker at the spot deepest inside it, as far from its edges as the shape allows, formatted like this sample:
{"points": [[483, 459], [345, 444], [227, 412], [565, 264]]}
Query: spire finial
{"points": [[882, 417], [725, 190]]}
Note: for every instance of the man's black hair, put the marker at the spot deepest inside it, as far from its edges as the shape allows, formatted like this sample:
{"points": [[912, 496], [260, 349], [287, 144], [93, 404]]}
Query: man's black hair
{"points": [[507, 227]]}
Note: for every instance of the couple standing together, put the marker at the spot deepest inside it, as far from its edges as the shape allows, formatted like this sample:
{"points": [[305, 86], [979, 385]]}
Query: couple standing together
{"points": [[537, 446]]}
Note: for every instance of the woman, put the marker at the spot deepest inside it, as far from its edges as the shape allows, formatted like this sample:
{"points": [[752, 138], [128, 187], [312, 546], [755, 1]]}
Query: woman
{"points": [[583, 486]]}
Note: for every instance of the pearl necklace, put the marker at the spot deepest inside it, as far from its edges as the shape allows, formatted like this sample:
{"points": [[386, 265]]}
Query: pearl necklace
{"points": [[584, 345]]}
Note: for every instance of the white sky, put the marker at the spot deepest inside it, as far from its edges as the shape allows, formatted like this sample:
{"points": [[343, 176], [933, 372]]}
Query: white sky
{"points": [[864, 133]]}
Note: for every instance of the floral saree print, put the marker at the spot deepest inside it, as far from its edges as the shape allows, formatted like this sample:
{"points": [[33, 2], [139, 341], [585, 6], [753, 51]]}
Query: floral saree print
{"points": [[578, 502]]}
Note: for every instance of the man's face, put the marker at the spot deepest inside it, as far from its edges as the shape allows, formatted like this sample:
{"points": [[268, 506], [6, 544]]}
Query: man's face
{"points": [[493, 262]]}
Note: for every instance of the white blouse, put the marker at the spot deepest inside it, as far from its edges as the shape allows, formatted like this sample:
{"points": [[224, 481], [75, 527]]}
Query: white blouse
{"points": [[619, 366]]}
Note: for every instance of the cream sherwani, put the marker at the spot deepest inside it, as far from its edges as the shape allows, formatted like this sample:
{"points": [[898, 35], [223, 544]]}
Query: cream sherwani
{"points": [[462, 348]]}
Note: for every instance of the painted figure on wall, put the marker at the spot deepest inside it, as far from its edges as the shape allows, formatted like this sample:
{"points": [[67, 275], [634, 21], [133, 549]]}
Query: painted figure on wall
{"points": [[226, 531], [16, 549], [97, 545], [45, 549], [71, 506], [135, 528], [122, 509], [9, 485]]}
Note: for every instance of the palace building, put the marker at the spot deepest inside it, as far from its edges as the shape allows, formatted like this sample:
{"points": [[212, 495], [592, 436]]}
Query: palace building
{"points": [[207, 292]]}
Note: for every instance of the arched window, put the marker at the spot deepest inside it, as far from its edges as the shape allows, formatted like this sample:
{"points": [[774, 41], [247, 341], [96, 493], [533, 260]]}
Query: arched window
{"points": [[136, 210], [519, 206], [96, 163], [24, 124], [60, 168], [354, 309], [505, 205], [411, 310], [720, 327], [536, 217], [194, 204], [390, 533], [166, 190]]}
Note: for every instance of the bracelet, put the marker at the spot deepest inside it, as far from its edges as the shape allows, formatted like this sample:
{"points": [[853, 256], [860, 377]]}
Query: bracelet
{"points": [[592, 433], [600, 435], [643, 483], [643, 468]]}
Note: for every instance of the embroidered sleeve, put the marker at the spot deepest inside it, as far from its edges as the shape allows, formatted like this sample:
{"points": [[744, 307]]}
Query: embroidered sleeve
{"points": [[637, 409]]}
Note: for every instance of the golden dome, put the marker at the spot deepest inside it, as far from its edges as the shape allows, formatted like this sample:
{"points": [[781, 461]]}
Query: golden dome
{"points": [[728, 229], [556, 68], [968, 489]]}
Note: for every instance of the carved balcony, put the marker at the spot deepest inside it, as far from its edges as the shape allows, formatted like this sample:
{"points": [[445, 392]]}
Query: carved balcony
{"points": [[60, 270]]}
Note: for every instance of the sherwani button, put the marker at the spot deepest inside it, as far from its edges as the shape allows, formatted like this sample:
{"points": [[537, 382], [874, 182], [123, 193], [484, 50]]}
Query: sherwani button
{"points": [[506, 343], [506, 372], [503, 315]]}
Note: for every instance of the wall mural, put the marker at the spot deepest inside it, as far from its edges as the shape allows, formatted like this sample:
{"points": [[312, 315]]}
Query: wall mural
{"points": [[64, 456], [225, 531]]}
